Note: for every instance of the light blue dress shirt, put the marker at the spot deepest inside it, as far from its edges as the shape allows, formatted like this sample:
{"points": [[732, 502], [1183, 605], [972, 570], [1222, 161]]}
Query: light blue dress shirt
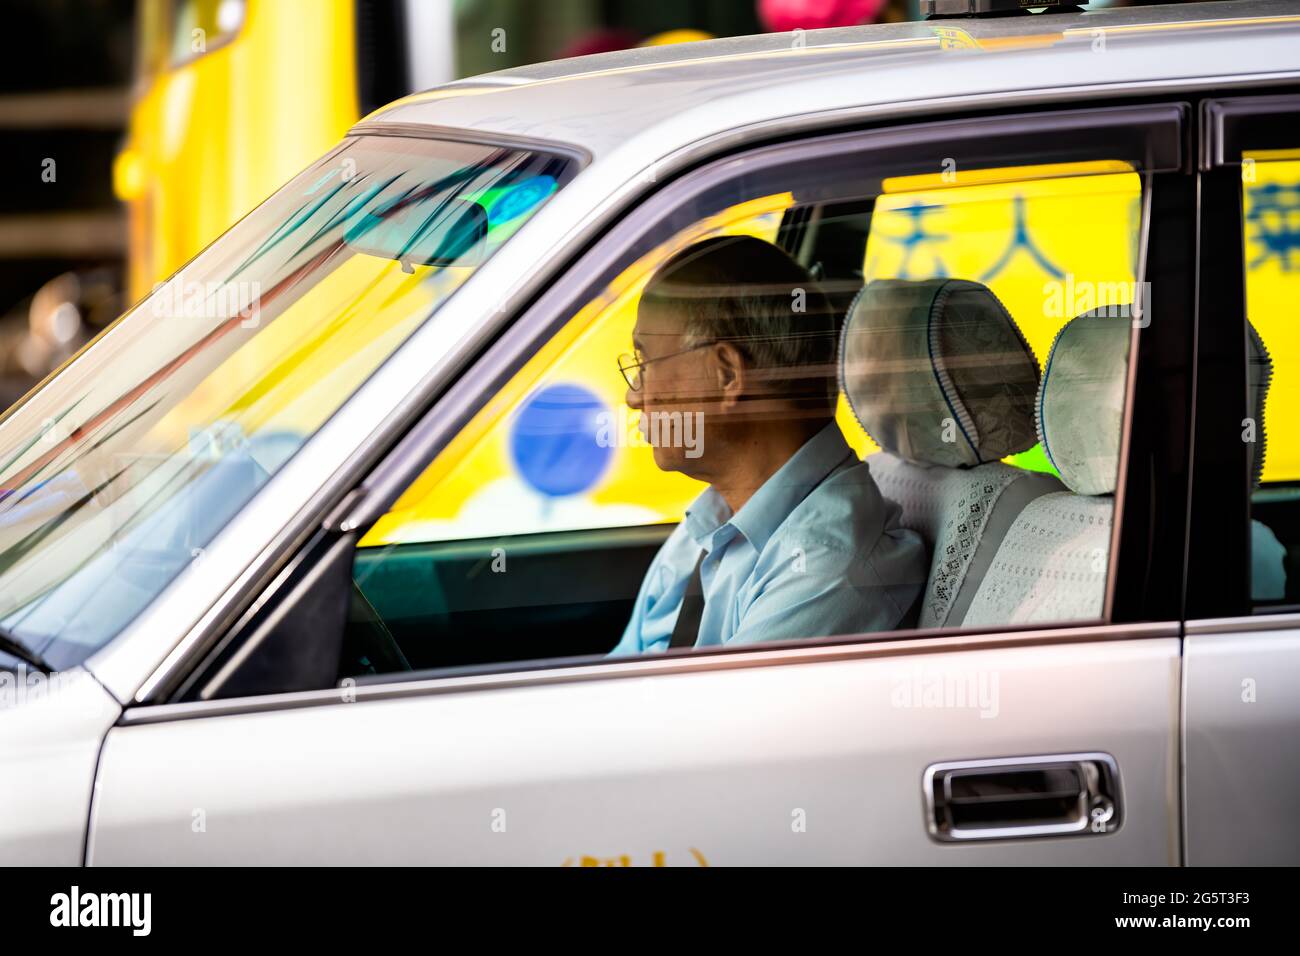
{"points": [[816, 551]]}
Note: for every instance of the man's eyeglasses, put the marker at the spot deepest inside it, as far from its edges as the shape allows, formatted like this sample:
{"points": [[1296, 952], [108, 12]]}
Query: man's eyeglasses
{"points": [[631, 364]]}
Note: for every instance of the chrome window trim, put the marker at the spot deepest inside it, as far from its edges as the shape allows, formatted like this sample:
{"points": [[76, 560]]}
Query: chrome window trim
{"points": [[1252, 623], [942, 641], [136, 664]]}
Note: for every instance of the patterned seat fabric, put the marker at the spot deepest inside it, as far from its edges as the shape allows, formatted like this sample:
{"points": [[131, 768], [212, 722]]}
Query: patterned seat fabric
{"points": [[1053, 562], [939, 375], [1051, 566], [950, 508]]}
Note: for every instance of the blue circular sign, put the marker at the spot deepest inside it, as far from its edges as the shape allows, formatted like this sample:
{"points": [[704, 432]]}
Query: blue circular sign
{"points": [[555, 440]]}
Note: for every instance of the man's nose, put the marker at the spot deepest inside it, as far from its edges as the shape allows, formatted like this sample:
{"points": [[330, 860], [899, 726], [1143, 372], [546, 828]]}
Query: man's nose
{"points": [[633, 399]]}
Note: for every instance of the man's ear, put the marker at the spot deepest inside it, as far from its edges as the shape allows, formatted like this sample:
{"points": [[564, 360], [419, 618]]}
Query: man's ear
{"points": [[728, 368]]}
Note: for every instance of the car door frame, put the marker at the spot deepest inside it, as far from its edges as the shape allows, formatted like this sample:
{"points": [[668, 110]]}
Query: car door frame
{"points": [[1240, 756]]}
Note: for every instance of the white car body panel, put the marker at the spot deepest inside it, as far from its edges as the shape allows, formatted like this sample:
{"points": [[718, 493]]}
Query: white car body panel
{"points": [[1241, 715], [720, 762], [49, 745]]}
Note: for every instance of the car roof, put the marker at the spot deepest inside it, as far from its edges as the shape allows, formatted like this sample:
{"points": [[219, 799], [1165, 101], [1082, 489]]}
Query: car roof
{"points": [[652, 101]]}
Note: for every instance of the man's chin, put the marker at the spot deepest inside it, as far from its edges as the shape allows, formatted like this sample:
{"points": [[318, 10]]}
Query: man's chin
{"points": [[675, 459], [669, 459]]}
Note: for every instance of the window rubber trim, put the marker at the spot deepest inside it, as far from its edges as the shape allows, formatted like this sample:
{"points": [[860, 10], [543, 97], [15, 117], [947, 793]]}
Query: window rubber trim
{"points": [[1232, 125]]}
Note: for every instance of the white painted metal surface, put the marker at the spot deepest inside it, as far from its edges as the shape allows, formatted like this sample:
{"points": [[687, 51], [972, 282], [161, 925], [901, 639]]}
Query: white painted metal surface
{"points": [[809, 763], [1242, 733], [50, 733]]}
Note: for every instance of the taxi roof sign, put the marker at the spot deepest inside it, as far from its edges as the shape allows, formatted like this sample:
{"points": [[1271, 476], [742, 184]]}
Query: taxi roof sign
{"points": [[984, 8]]}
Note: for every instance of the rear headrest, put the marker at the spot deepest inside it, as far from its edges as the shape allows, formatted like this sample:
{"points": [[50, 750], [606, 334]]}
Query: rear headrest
{"points": [[937, 372], [1081, 400], [1259, 375]]}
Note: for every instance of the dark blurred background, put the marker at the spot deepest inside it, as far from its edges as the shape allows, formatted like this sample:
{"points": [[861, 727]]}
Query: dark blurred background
{"points": [[136, 131]]}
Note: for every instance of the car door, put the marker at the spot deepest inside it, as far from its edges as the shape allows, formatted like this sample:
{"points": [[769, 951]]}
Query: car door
{"points": [[325, 727], [1241, 696]]}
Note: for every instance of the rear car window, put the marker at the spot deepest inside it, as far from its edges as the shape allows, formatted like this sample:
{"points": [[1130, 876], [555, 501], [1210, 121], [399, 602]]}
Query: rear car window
{"points": [[1271, 232]]}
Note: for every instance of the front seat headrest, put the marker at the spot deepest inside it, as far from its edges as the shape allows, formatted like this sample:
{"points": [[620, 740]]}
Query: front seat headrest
{"points": [[1259, 375], [937, 372], [1081, 399]]}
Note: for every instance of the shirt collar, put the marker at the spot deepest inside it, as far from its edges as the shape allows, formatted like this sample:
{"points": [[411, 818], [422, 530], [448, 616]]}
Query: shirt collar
{"points": [[705, 515], [764, 512]]}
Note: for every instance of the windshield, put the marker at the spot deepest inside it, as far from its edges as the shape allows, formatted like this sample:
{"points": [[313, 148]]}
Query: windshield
{"points": [[120, 469]]}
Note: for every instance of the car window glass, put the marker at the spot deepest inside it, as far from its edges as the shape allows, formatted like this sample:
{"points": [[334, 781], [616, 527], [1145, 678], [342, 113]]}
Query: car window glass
{"points": [[118, 472], [546, 529], [1271, 232], [1022, 237], [526, 463]]}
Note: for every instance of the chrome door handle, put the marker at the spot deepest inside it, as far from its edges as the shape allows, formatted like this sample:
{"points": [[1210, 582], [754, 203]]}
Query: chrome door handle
{"points": [[1015, 797]]}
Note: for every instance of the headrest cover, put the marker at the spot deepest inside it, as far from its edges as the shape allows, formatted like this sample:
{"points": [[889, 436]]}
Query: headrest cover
{"points": [[1081, 400], [937, 372], [1259, 375]]}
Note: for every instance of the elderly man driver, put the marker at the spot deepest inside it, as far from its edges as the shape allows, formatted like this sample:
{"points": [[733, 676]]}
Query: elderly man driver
{"points": [[792, 538]]}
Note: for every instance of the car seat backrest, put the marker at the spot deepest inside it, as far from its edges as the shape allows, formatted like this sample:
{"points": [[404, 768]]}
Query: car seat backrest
{"points": [[1271, 562], [1053, 562], [1259, 376], [939, 375]]}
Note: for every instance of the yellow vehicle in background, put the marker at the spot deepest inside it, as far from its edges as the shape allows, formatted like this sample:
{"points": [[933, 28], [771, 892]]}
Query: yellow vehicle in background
{"points": [[233, 98]]}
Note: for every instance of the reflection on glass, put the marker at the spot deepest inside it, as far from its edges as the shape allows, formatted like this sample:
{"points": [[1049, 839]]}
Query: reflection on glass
{"points": [[120, 470]]}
